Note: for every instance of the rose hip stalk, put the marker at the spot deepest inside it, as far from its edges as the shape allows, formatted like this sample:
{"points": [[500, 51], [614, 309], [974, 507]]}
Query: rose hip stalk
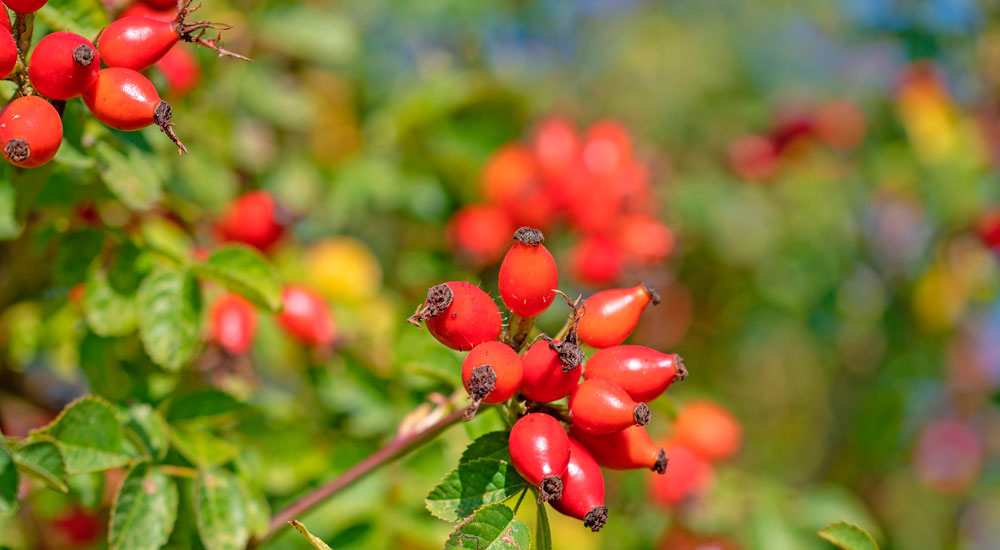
{"points": [[539, 450], [642, 372], [628, 449], [137, 42], [611, 315], [583, 489], [460, 315], [600, 407]]}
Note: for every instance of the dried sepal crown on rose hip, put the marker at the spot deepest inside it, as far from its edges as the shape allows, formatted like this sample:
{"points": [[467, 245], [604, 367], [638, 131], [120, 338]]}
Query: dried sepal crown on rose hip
{"points": [[558, 449], [65, 65]]}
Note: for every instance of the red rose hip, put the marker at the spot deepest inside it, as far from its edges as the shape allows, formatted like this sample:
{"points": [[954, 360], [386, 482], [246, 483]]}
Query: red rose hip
{"points": [[628, 449], [460, 315], [583, 489], [600, 407], [550, 370], [528, 275], [539, 450], [63, 65], [30, 131], [8, 48], [252, 219], [492, 372], [611, 315], [642, 372], [24, 6], [306, 316], [233, 323]]}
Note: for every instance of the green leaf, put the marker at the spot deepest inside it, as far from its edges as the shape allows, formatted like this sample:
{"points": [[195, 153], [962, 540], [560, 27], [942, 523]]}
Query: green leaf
{"points": [[84, 17], [472, 485], [169, 309], [201, 447], [204, 406], [8, 484], [10, 227], [129, 178], [245, 271], [848, 537], [144, 510], [491, 445], [42, 460], [150, 428], [108, 312], [258, 511], [492, 528], [88, 489], [543, 531], [105, 375], [315, 541], [221, 511], [90, 436]]}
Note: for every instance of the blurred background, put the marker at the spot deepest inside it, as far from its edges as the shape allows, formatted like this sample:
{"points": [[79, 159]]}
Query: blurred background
{"points": [[811, 185]]}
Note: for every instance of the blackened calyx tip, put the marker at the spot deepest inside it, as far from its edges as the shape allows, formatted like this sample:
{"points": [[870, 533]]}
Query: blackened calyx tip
{"points": [[641, 414], [660, 466], [529, 236], [653, 294], [439, 297]]}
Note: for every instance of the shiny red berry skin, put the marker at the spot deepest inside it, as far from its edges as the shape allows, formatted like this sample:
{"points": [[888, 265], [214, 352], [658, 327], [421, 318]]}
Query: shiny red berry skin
{"points": [[142, 10], [306, 316], [252, 219], [136, 42], [161, 4], [629, 449], [5, 22], [460, 315], [63, 65], [505, 372], [528, 275], [30, 131], [8, 48], [480, 233], [125, 100], [544, 377], [539, 450], [611, 315], [600, 407], [642, 372], [24, 6], [583, 489], [181, 70], [233, 323]]}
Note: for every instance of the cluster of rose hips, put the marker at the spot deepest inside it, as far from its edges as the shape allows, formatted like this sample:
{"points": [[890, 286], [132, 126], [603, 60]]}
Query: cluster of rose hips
{"points": [[839, 124], [65, 65], [594, 181], [606, 410]]}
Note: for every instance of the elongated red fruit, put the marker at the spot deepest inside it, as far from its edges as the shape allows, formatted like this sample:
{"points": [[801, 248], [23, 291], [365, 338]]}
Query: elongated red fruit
{"points": [[63, 65], [550, 370], [8, 48], [611, 315], [629, 449], [252, 219], [31, 131], [528, 274], [583, 489], [24, 6], [601, 407], [492, 372], [306, 316], [233, 323], [539, 450], [642, 372], [687, 475], [125, 100], [460, 315], [708, 429]]}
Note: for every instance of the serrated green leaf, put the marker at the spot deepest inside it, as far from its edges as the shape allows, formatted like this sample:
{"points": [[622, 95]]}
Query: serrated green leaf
{"points": [[84, 17], [848, 537], [150, 428], [202, 447], [491, 528], [42, 460], [473, 485], [8, 484], [90, 436], [129, 178], [543, 531], [108, 312], [245, 271], [221, 511], [315, 541], [491, 445], [169, 309], [144, 510]]}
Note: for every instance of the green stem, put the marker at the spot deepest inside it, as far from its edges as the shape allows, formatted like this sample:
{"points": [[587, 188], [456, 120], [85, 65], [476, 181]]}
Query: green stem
{"points": [[522, 328], [518, 505], [24, 26]]}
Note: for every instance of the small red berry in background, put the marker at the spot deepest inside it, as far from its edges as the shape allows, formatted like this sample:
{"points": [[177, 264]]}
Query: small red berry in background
{"points": [[840, 124], [600, 407], [528, 275], [583, 489], [511, 181], [126, 100], [686, 475], [233, 323], [642, 372], [30, 131], [306, 317], [479, 233], [63, 65], [597, 260], [78, 527], [989, 229], [610, 316], [181, 70], [460, 315], [492, 372], [707, 428], [547, 375], [252, 219], [539, 451], [607, 148], [645, 239], [628, 449], [24, 6], [161, 4], [753, 157], [555, 146]]}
